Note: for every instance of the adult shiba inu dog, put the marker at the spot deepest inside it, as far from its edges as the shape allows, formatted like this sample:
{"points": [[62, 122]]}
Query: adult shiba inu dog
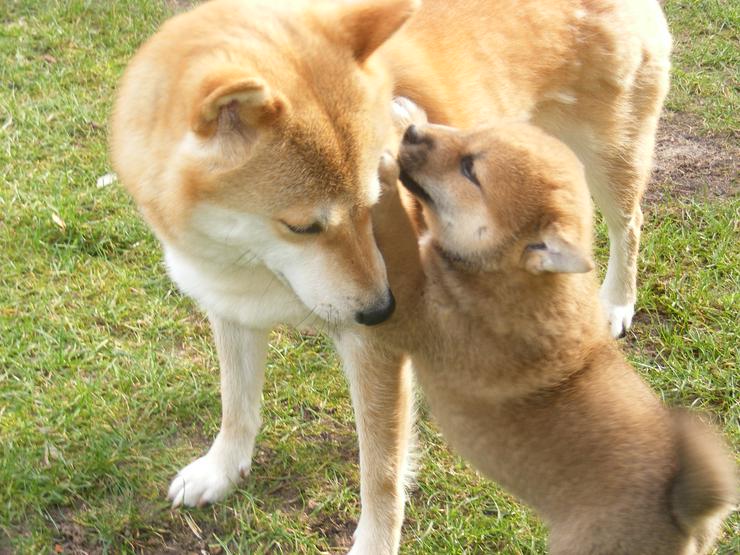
{"points": [[510, 346], [249, 132]]}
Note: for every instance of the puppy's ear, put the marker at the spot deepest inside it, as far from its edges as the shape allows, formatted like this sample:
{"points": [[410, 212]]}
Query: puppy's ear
{"points": [[554, 253], [367, 24], [230, 100]]}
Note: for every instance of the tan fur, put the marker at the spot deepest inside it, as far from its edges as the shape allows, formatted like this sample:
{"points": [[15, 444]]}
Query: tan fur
{"points": [[237, 123], [241, 120], [593, 73], [517, 365]]}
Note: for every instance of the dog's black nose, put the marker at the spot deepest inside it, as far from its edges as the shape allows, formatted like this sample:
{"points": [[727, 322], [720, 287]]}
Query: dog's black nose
{"points": [[379, 312], [412, 135]]}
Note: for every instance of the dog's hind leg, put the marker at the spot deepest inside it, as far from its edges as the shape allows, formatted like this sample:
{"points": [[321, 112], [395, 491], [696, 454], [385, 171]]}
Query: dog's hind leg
{"points": [[380, 384], [210, 478], [613, 133], [610, 120], [618, 178]]}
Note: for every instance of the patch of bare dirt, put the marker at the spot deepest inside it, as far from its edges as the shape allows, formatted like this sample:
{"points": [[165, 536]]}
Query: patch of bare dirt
{"points": [[645, 326], [185, 535], [691, 163], [71, 537], [338, 532], [178, 533], [4, 543]]}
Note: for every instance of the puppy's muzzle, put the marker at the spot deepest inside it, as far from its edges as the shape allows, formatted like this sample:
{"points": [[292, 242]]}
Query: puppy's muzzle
{"points": [[379, 312], [415, 147], [414, 136]]}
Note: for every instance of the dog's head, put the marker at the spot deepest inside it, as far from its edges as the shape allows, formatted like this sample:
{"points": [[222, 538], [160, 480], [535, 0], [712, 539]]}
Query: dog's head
{"points": [[501, 197], [251, 134]]}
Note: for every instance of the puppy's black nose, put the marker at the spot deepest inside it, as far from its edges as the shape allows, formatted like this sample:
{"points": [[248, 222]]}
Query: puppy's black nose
{"points": [[412, 135], [379, 312]]}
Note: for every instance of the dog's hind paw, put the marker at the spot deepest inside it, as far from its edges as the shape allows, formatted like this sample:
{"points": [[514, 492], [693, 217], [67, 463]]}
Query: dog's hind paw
{"points": [[205, 480], [619, 317]]}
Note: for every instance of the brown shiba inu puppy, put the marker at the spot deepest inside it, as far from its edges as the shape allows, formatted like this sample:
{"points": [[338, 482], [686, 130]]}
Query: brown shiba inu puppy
{"points": [[249, 132], [509, 345]]}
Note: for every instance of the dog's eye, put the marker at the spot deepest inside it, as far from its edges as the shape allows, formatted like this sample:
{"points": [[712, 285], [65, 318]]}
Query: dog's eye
{"points": [[310, 229], [468, 170]]}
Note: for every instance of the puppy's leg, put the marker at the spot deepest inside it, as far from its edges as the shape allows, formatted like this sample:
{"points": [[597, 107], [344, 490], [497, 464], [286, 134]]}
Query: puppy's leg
{"points": [[241, 353], [380, 384]]}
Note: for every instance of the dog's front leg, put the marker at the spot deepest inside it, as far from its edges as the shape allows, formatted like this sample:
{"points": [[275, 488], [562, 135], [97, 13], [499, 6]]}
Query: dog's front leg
{"points": [[241, 353], [381, 389]]}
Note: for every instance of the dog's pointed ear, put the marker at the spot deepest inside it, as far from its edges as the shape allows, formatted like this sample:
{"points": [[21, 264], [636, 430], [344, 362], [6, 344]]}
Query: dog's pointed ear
{"points": [[367, 24], [230, 99], [556, 254]]}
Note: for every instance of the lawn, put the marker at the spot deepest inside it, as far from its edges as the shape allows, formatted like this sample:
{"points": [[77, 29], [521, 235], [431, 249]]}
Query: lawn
{"points": [[109, 380]]}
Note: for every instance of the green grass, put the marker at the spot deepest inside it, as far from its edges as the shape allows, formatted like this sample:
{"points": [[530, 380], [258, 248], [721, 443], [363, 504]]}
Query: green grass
{"points": [[108, 379], [706, 61]]}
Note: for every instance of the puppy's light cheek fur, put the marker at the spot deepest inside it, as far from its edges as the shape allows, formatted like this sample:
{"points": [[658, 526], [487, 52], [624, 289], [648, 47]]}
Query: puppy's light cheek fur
{"points": [[462, 230]]}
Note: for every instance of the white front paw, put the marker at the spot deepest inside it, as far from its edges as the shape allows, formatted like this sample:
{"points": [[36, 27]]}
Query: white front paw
{"points": [[363, 547], [371, 540], [206, 480]]}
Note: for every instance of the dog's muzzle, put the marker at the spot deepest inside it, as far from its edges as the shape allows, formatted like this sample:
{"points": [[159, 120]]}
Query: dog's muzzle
{"points": [[379, 312]]}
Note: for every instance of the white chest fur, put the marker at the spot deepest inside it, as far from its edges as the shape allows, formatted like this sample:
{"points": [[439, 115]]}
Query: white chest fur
{"points": [[249, 294]]}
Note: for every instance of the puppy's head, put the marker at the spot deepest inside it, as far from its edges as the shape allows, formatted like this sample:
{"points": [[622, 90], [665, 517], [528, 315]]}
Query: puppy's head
{"points": [[499, 198]]}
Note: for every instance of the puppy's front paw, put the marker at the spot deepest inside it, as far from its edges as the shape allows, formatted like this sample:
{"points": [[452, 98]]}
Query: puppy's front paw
{"points": [[388, 172], [405, 113], [205, 480]]}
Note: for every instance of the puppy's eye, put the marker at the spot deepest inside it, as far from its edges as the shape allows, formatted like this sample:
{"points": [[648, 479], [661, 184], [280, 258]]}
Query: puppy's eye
{"points": [[310, 229], [468, 170]]}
